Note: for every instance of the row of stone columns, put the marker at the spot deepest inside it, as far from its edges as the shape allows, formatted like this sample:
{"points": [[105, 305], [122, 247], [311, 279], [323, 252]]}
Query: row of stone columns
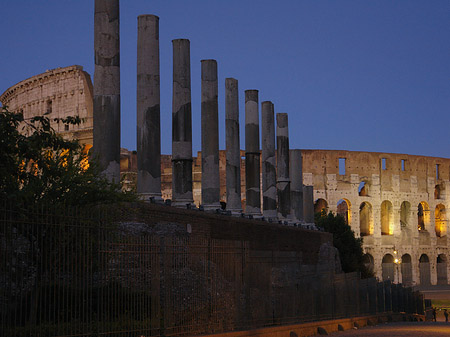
{"points": [[276, 183]]}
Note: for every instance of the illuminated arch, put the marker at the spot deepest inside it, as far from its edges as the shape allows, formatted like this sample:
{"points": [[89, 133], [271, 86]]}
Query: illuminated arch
{"points": [[440, 221], [387, 218], [365, 219], [405, 212], [320, 205], [423, 215], [344, 210]]}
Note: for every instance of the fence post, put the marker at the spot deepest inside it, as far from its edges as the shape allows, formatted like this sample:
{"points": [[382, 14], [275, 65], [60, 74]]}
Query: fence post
{"points": [[162, 287]]}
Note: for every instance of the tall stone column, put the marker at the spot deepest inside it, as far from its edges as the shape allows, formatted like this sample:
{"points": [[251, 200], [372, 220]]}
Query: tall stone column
{"points": [[181, 125], [148, 108], [210, 136], [252, 154], [107, 88], [269, 175], [283, 181], [308, 204], [296, 172], [233, 155]]}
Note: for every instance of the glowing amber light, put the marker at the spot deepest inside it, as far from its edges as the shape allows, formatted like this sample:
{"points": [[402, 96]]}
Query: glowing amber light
{"points": [[85, 160]]}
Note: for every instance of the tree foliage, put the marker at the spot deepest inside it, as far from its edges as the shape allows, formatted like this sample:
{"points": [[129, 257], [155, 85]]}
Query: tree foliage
{"points": [[349, 247], [38, 166]]}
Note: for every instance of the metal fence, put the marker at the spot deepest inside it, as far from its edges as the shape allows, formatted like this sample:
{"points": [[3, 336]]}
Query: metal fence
{"points": [[67, 273]]}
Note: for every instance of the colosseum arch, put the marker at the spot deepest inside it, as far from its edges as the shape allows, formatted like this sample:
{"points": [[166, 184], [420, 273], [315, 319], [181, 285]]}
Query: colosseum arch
{"points": [[369, 262], [387, 218], [320, 205], [365, 219], [440, 221], [344, 210], [424, 270], [441, 269], [405, 212], [363, 188], [387, 268], [406, 270], [423, 215], [437, 192]]}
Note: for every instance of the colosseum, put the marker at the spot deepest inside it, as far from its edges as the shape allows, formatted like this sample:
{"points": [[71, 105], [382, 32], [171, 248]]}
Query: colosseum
{"points": [[395, 202], [59, 92]]}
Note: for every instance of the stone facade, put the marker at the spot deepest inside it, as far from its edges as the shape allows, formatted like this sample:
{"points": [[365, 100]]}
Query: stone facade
{"points": [[396, 202], [61, 92]]}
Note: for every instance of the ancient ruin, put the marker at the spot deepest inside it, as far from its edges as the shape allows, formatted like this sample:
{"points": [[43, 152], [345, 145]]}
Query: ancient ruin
{"points": [[148, 108], [181, 124], [395, 202], [252, 154], [269, 174], [60, 93], [233, 152], [210, 136], [107, 87]]}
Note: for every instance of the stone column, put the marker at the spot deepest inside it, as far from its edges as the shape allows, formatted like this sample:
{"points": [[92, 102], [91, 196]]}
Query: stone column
{"points": [[148, 110], [283, 181], [210, 136], [181, 125], [308, 204], [269, 175], [252, 154], [296, 172], [233, 155], [107, 88]]}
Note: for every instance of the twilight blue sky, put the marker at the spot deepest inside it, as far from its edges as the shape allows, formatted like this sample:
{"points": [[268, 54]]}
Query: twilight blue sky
{"points": [[352, 75]]}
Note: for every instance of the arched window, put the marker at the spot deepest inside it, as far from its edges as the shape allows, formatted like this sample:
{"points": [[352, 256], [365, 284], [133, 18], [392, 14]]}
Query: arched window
{"points": [[387, 218], [387, 267], [423, 215], [405, 211], [320, 205], [49, 107], [437, 192], [441, 269], [368, 262], [406, 270], [424, 269], [365, 219], [363, 189], [440, 221], [343, 209]]}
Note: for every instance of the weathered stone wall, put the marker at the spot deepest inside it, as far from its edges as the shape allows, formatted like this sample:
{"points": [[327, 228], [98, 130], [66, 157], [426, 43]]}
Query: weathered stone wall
{"points": [[62, 92], [385, 212]]}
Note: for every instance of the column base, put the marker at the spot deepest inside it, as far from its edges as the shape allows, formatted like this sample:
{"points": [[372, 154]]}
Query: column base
{"points": [[211, 207], [186, 204], [153, 198]]}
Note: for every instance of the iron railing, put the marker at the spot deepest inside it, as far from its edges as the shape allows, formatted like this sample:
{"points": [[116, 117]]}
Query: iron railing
{"points": [[74, 273]]}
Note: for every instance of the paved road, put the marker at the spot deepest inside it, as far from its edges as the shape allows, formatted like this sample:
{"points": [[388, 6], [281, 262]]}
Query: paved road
{"points": [[401, 329]]}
